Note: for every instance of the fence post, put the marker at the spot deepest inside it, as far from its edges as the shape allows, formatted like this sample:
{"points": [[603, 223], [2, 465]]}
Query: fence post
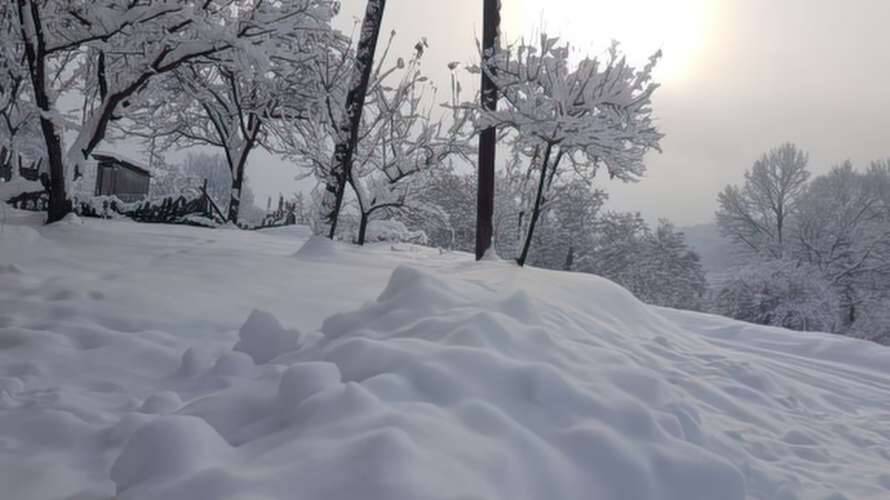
{"points": [[205, 202]]}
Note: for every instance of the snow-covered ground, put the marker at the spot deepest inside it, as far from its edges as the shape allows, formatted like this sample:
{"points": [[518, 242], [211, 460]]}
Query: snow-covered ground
{"points": [[168, 362]]}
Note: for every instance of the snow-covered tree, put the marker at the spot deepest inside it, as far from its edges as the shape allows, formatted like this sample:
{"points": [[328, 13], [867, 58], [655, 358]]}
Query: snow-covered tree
{"points": [[823, 246], [398, 146], [231, 101], [197, 166], [655, 265], [449, 221], [398, 149], [781, 293], [19, 132], [571, 120], [349, 124], [188, 176], [757, 214], [128, 45], [843, 229], [568, 214]]}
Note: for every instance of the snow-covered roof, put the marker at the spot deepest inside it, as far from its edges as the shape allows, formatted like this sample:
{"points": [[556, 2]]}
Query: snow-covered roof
{"points": [[122, 159]]}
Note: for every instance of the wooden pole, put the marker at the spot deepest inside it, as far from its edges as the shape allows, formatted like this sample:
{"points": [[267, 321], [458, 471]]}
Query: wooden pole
{"points": [[488, 138]]}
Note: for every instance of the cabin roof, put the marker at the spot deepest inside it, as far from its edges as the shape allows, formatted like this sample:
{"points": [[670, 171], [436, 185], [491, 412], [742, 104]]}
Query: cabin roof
{"points": [[122, 160]]}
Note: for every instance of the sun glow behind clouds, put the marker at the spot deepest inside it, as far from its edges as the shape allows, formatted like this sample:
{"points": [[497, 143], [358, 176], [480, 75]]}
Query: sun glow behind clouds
{"points": [[680, 28]]}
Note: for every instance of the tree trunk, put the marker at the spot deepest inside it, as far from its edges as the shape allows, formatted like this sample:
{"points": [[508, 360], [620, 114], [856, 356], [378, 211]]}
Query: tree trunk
{"points": [[488, 138], [235, 200], [35, 52], [570, 259], [362, 228], [355, 102], [536, 212], [238, 170]]}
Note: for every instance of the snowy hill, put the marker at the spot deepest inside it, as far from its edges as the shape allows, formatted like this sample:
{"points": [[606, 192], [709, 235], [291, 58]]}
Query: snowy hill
{"points": [[148, 361]]}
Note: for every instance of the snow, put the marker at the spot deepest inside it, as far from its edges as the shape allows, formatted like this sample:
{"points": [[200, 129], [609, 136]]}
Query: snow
{"points": [[393, 230], [120, 157], [17, 186], [143, 361], [262, 337], [317, 247]]}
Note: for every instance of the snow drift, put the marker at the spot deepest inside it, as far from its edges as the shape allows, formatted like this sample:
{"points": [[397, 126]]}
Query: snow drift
{"points": [[435, 391], [459, 381]]}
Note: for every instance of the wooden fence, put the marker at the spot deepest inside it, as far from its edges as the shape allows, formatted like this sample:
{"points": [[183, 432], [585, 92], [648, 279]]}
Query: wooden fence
{"points": [[37, 201], [8, 162], [196, 210]]}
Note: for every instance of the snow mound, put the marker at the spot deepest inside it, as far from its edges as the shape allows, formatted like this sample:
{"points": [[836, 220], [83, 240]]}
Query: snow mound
{"points": [[491, 255], [434, 382], [262, 338], [71, 218], [161, 403], [306, 379], [192, 363], [317, 247], [167, 448]]}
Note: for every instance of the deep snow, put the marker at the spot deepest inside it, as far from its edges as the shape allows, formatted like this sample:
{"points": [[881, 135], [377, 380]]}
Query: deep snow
{"points": [[148, 361]]}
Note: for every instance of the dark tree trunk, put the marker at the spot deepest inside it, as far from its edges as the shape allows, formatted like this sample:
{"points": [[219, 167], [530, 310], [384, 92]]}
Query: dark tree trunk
{"points": [[35, 52], [536, 212], [355, 102], [238, 168], [363, 228], [488, 138], [570, 259], [235, 200]]}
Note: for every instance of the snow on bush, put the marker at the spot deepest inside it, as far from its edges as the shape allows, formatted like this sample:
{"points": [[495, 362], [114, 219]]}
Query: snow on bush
{"points": [[779, 293], [393, 231]]}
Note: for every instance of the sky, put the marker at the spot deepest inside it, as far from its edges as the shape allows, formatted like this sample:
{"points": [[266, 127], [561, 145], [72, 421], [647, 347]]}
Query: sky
{"points": [[738, 78]]}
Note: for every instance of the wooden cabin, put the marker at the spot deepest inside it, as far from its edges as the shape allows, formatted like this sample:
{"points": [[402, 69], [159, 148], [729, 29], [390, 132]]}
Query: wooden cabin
{"points": [[116, 176]]}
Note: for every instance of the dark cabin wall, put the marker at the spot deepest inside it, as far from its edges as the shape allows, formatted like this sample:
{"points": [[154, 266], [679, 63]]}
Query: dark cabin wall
{"points": [[125, 183], [130, 183]]}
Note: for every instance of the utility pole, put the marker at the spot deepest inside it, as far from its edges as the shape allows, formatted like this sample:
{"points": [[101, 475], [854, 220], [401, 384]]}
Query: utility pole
{"points": [[488, 138]]}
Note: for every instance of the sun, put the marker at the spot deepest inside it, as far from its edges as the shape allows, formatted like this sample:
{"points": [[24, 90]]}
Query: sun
{"points": [[680, 28]]}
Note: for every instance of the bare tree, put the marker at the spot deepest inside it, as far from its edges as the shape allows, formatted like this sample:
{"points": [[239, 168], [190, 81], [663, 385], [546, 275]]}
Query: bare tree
{"points": [[756, 215], [399, 143], [348, 130]]}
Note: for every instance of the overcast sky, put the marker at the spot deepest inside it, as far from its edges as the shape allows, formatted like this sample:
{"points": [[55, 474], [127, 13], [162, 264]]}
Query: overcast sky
{"points": [[739, 76]]}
